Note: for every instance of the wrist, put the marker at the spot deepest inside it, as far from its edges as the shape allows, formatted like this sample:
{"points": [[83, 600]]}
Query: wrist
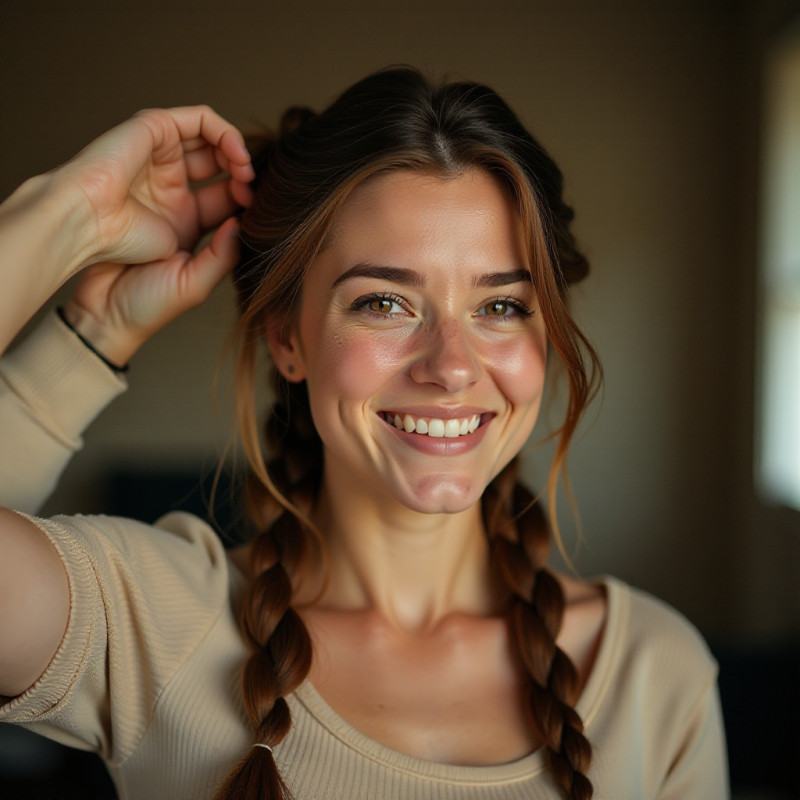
{"points": [[113, 347], [58, 213], [46, 230]]}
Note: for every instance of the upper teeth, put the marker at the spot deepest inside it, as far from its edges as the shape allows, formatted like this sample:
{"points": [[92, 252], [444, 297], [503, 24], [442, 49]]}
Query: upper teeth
{"points": [[438, 428]]}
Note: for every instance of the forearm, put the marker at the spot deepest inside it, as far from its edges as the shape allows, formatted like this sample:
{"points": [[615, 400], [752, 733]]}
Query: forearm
{"points": [[45, 238], [51, 388]]}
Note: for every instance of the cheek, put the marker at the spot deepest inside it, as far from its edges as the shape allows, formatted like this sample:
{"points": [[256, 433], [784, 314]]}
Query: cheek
{"points": [[519, 366], [355, 362]]}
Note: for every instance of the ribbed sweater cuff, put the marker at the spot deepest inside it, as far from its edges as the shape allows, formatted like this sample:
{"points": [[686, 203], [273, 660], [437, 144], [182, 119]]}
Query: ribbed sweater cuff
{"points": [[60, 379]]}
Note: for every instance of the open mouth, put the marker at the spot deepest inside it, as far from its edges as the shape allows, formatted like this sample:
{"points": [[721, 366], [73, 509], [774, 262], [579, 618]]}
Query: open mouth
{"points": [[432, 426]]}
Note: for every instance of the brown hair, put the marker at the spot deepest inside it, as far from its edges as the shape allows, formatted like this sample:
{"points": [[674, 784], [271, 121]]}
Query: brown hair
{"points": [[394, 119]]}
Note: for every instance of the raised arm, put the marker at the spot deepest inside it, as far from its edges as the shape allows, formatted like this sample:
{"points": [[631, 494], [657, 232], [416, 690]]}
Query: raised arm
{"points": [[51, 388], [125, 212], [126, 199]]}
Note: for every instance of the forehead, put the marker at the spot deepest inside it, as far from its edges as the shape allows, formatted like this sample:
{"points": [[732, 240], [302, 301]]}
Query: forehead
{"points": [[467, 219]]}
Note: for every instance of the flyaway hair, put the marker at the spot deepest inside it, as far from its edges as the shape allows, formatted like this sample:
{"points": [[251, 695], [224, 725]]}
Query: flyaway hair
{"points": [[394, 120]]}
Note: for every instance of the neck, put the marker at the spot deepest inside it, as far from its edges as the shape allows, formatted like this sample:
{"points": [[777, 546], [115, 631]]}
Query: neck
{"points": [[412, 569]]}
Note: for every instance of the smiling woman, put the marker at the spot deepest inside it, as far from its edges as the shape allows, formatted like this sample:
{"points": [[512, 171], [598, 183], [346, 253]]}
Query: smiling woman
{"points": [[414, 341], [405, 258]]}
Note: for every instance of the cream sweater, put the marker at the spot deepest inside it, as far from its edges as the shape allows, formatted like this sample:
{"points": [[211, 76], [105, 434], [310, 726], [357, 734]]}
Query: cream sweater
{"points": [[148, 671]]}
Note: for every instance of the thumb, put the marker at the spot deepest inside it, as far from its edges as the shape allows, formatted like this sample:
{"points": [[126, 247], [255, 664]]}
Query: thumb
{"points": [[208, 267], [146, 236]]}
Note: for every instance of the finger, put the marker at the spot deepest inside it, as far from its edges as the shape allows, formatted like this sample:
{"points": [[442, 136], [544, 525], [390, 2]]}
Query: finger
{"points": [[232, 148], [241, 193], [128, 146], [243, 174], [214, 204], [202, 164], [201, 122], [206, 269], [205, 163], [192, 147]]}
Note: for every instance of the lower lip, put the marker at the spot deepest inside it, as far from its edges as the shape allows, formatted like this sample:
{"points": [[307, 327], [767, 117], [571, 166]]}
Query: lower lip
{"points": [[440, 445]]}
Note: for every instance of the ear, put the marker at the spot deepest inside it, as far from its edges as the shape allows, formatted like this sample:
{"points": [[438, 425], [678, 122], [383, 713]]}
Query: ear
{"points": [[284, 347]]}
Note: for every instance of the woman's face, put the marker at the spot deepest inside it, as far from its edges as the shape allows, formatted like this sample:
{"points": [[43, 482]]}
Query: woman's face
{"points": [[420, 339]]}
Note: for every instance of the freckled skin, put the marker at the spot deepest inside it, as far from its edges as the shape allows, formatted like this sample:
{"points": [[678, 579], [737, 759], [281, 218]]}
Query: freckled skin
{"points": [[439, 349], [407, 631]]}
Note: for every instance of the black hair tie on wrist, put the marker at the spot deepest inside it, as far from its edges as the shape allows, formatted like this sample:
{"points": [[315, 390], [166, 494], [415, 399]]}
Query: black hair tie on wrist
{"points": [[63, 317]]}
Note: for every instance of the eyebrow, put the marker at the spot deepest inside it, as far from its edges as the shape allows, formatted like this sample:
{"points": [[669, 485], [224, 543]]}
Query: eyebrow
{"points": [[409, 277], [492, 280], [401, 275]]}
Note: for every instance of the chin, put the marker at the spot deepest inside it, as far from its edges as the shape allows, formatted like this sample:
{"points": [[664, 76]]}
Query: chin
{"points": [[440, 495]]}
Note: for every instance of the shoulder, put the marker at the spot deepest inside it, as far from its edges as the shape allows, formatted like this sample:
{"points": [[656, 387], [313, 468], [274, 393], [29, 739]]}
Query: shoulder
{"points": [[142, 599], [176, 534], [652, 646], [177, 560], [654, 693], [651, 625], [633, 624]]}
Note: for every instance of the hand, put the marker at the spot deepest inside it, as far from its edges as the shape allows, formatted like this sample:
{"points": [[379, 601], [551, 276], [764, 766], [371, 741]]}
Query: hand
{"points": [[136, 180], [120, 303], [118, 307]]}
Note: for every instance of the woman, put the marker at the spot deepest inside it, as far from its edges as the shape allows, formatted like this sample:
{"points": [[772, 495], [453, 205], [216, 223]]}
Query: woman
{"points": [[405, 257]]}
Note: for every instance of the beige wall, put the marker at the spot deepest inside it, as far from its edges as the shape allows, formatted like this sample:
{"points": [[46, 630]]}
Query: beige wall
{"points": [[644, 105]]}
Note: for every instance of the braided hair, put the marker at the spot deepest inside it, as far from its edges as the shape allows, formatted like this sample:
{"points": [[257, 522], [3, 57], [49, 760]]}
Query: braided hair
{"points": [[392, 120]]}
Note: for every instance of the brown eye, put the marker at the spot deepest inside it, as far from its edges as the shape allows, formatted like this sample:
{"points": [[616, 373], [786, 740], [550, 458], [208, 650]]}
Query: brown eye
{"points": [[505, 309], [496, 309], [381, 305]]}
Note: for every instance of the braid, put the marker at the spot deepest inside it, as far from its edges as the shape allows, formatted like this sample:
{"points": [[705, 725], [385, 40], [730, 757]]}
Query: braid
{"points": [[295, 468], [519, 537], [306, 171], [278, 639]]}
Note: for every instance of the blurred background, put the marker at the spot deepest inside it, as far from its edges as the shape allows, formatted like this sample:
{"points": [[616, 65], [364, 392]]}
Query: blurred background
{"points": [[677, 127]]}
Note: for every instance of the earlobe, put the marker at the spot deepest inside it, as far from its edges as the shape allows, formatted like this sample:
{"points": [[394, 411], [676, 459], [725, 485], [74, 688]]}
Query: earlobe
{"points": [[285, 351]]}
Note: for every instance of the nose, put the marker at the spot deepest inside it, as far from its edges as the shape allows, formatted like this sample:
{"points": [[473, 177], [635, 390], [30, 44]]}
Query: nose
{"points": [[447, 358]]}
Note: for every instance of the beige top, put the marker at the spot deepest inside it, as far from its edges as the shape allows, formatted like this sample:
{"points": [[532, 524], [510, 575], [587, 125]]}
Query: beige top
{"points": [[148, 671]]}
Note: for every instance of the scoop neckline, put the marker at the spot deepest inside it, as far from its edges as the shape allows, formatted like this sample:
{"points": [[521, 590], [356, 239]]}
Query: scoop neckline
{"points": [[519, 769]]}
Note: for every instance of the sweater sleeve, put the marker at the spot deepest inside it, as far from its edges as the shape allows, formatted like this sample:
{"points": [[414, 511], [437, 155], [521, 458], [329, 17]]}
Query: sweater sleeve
{"points": [[700, 768], [669, 682], [141, 599], [51, 388]]}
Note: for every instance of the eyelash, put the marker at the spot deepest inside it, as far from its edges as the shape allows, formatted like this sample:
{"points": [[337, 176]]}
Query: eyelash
{"points": [[362, 302], [520, 309]]}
